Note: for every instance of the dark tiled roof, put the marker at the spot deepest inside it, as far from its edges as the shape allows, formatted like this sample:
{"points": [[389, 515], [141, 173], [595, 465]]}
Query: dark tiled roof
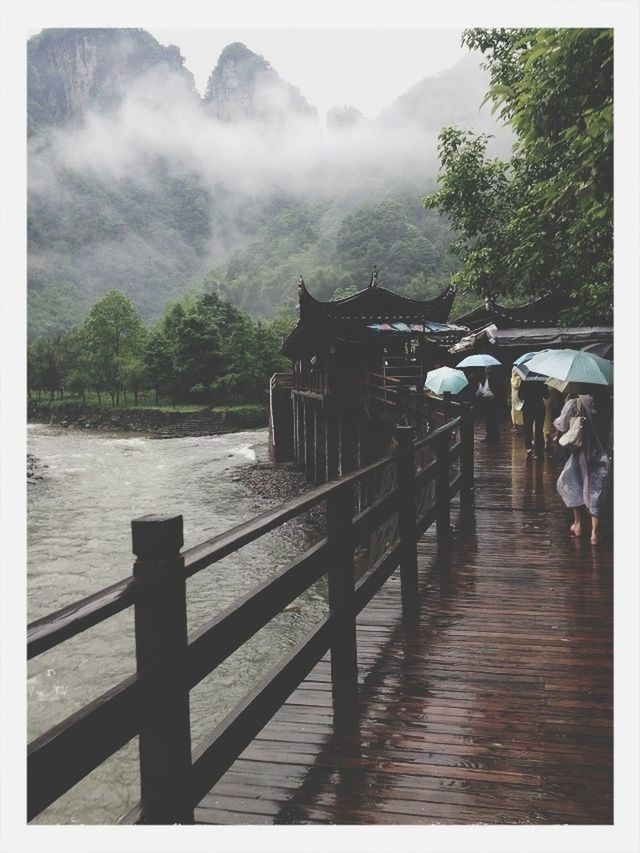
{"points": [[376, 304], [540, 313], [346, 321]]}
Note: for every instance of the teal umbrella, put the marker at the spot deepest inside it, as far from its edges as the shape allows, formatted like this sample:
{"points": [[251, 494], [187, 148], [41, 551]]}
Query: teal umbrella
{"points": [[479, 359], [526, 357], [446, 379], [522, 367], [572, 365]]}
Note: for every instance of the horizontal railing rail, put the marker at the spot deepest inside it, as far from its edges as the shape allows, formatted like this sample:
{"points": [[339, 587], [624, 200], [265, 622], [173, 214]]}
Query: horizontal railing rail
{"points": [[153, 703]]}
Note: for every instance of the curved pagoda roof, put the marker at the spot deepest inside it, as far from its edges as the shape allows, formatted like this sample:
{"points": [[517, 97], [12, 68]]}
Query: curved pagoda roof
{"points": [[540, 313], [375, 305], [369, 314]]}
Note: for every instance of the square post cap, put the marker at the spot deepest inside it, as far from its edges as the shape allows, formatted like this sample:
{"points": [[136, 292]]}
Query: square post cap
{"points": [[157, 537], [404, 433]]}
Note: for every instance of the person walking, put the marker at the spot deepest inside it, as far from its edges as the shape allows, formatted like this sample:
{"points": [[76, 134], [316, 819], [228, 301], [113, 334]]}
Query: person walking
{"points": [[551, 410], [533, 395], [486, 396], [584, 479], [516, 402]]}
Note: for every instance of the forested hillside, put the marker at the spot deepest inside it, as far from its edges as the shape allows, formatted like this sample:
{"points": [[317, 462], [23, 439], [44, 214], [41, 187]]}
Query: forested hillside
{"points": [[138, 184]]}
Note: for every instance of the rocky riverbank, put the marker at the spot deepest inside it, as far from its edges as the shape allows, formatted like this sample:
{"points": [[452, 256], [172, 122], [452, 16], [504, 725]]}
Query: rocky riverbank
{"points": [[34, 468], [152, 422], [277, 484]]}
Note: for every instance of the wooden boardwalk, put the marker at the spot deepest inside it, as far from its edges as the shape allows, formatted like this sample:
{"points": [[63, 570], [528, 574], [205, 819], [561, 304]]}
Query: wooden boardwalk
{"points": [[494, 707]]}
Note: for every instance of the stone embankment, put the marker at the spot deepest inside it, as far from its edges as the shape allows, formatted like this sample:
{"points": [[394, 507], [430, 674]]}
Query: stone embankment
{"points": [[148, 421]]}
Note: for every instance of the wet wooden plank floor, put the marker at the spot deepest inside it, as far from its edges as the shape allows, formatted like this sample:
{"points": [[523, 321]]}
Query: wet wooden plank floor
{"points": [[496, 707]]}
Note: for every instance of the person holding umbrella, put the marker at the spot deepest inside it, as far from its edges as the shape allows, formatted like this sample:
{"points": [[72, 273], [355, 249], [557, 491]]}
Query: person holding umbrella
{"points": [[587, 420], [533, 392], [486, 391]]}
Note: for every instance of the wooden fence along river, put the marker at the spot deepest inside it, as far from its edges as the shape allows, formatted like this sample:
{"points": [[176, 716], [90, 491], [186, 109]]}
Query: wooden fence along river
{"points": [[153, 703]]}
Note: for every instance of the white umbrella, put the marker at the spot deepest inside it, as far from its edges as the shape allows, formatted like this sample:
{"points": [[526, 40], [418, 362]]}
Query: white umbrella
{"points": [[479, 359], [446, 379]]}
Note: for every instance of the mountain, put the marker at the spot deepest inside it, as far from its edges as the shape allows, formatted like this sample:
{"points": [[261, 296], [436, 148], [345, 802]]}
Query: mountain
{"points": [[243, 86], [138, 183], [72, 70], [453, 97]]}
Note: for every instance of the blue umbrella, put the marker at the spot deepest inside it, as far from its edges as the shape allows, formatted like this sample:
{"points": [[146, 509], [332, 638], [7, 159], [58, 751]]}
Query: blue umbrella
{"points": [[479, 359], [572, 365], [446, 379]]}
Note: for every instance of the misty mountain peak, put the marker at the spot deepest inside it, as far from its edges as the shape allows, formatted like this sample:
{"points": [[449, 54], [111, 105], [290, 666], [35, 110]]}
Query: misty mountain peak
{"points": [[244, 86], [71, 70], [344, 118]]}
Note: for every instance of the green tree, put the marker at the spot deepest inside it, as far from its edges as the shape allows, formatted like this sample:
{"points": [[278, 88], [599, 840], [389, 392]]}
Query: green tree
{"points": [[115, 334], [47, 364], [543, 220], [158, 361], [80, 373], [197, 350], [134, 376]]}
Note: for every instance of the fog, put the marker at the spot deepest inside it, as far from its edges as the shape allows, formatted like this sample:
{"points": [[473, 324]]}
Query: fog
{"points": [[150, 194], [160, 119]]}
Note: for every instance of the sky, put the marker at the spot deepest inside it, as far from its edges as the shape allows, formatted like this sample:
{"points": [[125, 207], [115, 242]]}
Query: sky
{"points": [[366, 69]]}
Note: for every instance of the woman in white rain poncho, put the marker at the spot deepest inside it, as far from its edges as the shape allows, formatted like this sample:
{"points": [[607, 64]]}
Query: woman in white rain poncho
{"points": [[584, 478]]}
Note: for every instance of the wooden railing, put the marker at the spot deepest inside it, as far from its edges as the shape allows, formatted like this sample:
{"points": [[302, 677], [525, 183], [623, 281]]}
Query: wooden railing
{"points": [[382, 390], [315, 381], [153, 703]]}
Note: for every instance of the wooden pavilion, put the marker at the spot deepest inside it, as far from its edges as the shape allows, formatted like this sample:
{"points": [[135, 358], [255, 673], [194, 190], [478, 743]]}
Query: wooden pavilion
{"points": [[351, 361], [507, 332]]}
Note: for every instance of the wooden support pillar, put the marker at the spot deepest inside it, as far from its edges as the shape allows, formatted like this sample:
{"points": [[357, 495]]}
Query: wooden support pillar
{"points": [[321, 446], [467, 489], [295, 429], [316, 453], [333, 444], [344, 654], [161, 647], [309, 460], [443, 490], [446, 406], [326, 416], [407, 519]]}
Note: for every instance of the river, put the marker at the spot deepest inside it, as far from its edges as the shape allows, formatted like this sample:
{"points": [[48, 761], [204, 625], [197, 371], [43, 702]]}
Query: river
{"points": [[79, 541]]}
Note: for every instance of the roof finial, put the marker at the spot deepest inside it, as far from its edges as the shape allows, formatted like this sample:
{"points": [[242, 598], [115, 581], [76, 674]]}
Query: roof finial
{"points": [[374, 277], [301, 284]]}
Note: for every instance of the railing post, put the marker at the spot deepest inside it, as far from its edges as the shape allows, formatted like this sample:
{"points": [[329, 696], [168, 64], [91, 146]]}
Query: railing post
{"points": [[446, 406], [407, 519], [161, 645], [443, 518], [466, 458], [344, 653]]}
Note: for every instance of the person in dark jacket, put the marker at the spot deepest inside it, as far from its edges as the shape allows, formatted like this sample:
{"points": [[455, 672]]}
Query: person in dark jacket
{"points": [[533, 394], [487, 400]]}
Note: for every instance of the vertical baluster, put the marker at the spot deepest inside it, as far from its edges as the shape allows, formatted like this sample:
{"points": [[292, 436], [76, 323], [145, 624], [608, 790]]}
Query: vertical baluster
{"points": [[407, 519], [161, 645], [344, 654]]}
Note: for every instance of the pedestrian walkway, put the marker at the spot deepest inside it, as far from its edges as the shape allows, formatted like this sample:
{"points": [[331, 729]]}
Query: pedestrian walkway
{"points": [[495, 707]]}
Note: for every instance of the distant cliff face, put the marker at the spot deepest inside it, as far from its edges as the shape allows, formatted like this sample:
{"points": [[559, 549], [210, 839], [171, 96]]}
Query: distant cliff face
{"points": [[72, 70], [243, 86]]}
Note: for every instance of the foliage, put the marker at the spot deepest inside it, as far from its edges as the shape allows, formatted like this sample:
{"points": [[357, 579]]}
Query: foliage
{"points": [[335, 249], [114, 336], [543, 219], [202, 350]]}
